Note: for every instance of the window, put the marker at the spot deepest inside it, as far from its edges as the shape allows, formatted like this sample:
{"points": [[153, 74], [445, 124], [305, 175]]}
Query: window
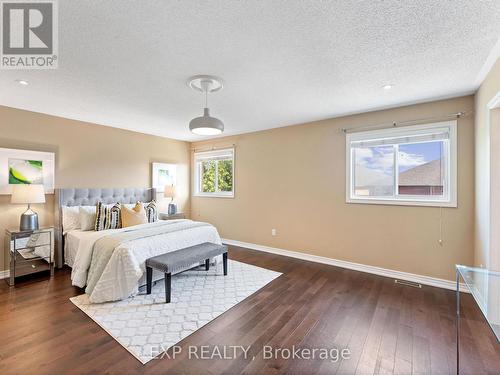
{"points": [[410, 165], [214, 173]]}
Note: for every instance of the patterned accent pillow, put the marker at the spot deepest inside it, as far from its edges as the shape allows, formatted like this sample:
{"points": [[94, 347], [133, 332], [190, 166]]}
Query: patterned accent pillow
{"points": [[107, 216], [151, 211]]}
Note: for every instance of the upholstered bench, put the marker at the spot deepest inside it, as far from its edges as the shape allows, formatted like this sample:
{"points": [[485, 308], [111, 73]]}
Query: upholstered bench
{"points": [[182, 260]]}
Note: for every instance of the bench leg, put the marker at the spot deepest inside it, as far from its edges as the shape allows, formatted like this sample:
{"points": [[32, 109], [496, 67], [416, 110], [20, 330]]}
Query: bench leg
{"points": [[149, 279], [207, 264], [224, 263], [168, 289]]}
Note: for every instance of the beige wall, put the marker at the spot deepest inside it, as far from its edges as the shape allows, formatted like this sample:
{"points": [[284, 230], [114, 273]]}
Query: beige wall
{"points": [[88, 155], [293, 179], [494, 248], [484, 163]]}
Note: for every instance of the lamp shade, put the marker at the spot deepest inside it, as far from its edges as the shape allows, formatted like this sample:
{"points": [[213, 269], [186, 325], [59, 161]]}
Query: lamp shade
{"points": [[206, 125], [27, 194], [169, 191]]}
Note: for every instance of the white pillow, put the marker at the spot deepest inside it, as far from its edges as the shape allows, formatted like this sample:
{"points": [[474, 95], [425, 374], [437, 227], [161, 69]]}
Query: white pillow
{"points": [[87, 217], [70, 218]]}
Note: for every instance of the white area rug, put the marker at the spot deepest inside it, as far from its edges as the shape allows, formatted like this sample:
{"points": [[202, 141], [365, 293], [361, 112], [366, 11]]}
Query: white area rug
{"points": [[145, 322]]}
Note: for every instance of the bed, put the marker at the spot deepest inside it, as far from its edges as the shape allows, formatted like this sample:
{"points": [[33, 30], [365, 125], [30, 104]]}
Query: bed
{"points": [[110, 264]]}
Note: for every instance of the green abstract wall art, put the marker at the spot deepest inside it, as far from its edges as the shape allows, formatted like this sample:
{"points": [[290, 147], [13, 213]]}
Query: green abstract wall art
{"points": [[26, 167], [25, 171]]}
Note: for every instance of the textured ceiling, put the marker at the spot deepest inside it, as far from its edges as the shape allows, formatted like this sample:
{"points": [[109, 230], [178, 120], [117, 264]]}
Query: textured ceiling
{"points": [[125, 63]]}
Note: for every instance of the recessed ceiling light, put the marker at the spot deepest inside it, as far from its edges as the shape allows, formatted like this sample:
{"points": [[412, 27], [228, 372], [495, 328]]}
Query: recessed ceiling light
{"points": [[22, 82], [388, 86]]}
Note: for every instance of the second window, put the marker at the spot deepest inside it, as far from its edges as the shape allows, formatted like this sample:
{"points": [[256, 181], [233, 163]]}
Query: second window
{"points": [[214, 173]]}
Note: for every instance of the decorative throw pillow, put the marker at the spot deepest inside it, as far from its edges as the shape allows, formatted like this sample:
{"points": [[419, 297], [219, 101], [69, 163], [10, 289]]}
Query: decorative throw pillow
{"points": [[70, 218], [107, 216], [135, 216], [151, 211], [87, 217]]}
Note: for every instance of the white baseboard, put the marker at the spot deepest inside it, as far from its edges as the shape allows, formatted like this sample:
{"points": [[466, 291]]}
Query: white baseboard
{"points": [[4, 274], [421, 279]]}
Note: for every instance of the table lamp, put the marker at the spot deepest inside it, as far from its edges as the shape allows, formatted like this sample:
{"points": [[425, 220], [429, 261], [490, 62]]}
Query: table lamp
{"points": [[170, 193], [28, 194]]}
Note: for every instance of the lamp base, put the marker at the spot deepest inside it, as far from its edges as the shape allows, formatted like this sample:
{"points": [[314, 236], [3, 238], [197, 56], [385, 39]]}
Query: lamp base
{"points": [[172, 208], [29, 221]]}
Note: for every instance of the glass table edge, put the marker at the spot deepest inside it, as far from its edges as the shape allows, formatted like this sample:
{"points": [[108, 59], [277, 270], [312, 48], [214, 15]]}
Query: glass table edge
{"points": [[495, 328], [461, 267]]}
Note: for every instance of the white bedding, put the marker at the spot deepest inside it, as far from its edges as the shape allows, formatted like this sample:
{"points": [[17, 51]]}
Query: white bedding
{"points": [[71, 243], [127, 265]]}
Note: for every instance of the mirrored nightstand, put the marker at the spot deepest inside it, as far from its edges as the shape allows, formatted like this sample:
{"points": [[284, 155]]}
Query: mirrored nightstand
{"points": [[29, 252]]}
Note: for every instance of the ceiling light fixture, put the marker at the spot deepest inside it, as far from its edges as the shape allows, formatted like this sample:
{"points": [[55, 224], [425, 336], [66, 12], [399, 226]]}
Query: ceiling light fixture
{"points": [[22, 82], [206, 125], [388, 86]]}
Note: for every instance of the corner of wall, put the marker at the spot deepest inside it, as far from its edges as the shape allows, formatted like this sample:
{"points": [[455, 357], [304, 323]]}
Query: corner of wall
{"points": [[489, 87]]}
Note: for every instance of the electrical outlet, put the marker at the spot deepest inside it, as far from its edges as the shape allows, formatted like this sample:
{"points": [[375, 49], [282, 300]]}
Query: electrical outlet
{"points": [[273, 232]]}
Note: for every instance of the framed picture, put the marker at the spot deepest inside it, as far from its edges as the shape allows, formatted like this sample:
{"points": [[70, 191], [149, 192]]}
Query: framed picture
{"points": [[26, 167], [163, 175]]}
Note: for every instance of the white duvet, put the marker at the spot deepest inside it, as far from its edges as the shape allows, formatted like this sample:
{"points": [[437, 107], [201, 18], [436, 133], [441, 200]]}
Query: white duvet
{"points": [[120, 278]]}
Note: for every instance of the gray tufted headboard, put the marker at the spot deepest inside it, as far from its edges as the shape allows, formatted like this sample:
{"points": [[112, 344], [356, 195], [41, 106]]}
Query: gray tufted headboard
{"points": [[90, 197]]}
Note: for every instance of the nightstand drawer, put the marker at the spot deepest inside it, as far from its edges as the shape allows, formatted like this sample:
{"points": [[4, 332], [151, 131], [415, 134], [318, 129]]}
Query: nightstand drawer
{"points": [[27, 267], [31, 240]]}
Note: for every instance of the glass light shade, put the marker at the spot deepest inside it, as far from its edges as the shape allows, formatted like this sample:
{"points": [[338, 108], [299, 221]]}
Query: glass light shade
{"points": [[27, 194], [206, 125]]}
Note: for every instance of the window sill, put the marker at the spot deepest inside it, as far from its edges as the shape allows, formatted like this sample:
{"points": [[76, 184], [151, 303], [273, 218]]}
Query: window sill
{"points": [[213, 195], [392, 202]]}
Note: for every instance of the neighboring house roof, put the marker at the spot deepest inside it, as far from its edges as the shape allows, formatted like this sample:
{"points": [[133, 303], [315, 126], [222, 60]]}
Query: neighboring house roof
{"points": [[428, 174]]}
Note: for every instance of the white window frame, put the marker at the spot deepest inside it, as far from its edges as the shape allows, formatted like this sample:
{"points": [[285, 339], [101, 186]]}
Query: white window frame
{"points": [[211, 155], [450, 156]]}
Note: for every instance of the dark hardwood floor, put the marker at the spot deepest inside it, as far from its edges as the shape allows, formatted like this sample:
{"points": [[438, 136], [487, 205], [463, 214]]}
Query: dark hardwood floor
{"points": [[388, 328]]}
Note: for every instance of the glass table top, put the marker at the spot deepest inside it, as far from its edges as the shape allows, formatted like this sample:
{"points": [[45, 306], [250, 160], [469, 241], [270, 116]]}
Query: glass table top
{"points": [[484, 286]]}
